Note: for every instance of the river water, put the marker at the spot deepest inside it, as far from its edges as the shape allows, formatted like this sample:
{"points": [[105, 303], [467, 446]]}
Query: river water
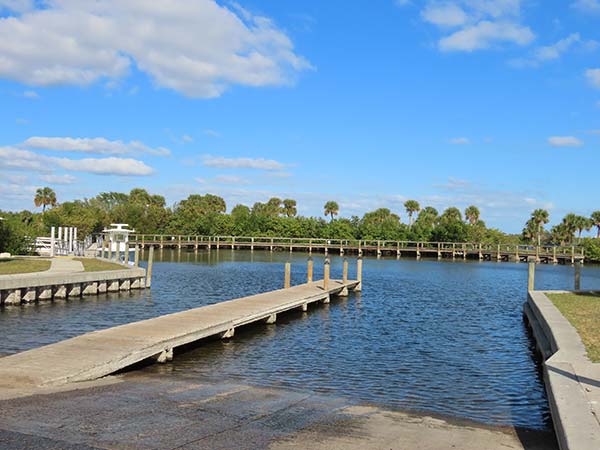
{"points": [[440, 337]]}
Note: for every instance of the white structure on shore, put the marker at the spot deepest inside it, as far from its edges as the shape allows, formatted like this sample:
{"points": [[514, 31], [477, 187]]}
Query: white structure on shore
{"points": [[62, 241], [118, 239]]}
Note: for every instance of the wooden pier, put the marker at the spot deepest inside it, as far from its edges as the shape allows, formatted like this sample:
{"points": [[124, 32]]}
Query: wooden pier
{"points": [[439, 250], [100, 353]]}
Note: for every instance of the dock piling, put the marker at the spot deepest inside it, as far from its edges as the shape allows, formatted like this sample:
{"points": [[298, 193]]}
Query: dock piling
{"points": [[309, 276], [359, 265], [531, 277], [287, 282], [326, 273], [577, 276], [136, 256], [149, 270], [345, 271]]}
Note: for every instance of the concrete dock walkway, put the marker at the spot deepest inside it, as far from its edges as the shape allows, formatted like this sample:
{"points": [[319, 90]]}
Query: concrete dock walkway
{"points": [[100, 353]]}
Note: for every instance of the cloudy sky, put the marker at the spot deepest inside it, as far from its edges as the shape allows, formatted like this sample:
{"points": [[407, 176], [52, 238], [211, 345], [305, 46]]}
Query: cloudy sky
{"points": [[487, 102]]}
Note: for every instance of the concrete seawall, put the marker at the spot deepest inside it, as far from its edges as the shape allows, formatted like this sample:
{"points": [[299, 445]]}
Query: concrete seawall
{"points": [[28, 288], [572, 381]]}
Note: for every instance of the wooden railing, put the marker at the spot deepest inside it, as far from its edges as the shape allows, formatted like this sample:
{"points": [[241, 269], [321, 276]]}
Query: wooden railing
{"points": [[371, 245]]}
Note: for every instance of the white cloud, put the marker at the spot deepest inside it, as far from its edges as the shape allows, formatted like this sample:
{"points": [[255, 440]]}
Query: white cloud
{"points": [[484, 35], [444, 14], [211, 133], [31, 94], [106, 166], [460, 141], [241, 163], [99, 146], [187, 138], [565, 141], [481, 24], [587, 6], [593, 76], [17, 159], [58, 179], [555, 51], [230, 179], [196, 47]]}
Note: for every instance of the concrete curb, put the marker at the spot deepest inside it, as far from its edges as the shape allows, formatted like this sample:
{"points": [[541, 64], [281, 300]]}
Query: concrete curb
{"points": [[572, 381]]}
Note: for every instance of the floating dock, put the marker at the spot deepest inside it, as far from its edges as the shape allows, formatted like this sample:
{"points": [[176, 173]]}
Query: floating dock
{"points": [[100, 353]]}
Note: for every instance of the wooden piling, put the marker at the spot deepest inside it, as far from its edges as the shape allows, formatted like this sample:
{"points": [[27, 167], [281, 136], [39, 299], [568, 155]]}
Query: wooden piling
{"points": [[577, 276], [136, 256], [531, 277], [345, 271], [309, 276], [287, 282], [326, 273], [149, 270], [359, 265]]}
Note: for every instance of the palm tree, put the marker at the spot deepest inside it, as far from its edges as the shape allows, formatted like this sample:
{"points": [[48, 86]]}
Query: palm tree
{"points": [[289, 207], [596, 221], [331, 209], [412, 206], [472, 214], [582, 223], [530, 231], [44, 197], [540, 217], [570, 225]]}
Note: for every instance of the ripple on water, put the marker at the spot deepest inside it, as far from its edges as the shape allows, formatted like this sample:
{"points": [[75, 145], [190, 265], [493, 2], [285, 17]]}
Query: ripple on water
{"points": [[441, 337]]}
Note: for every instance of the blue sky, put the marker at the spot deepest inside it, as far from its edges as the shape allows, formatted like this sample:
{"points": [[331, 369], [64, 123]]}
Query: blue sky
{"points": [[494, 103]]}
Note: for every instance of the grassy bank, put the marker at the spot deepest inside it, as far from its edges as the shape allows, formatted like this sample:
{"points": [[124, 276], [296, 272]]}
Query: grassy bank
{"points": [[96, 265], [583, 311], [15, 266]]}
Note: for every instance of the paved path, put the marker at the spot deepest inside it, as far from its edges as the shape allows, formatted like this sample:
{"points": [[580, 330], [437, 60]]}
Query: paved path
{"points": [[100, 353], [65, 265]]}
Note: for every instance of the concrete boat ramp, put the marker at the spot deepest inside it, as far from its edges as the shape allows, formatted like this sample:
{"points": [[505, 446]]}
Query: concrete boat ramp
{"points": [[100, 353]]}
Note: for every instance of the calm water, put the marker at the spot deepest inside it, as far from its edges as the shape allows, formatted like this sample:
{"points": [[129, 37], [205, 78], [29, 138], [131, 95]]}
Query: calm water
{"points": [[443, 337]]}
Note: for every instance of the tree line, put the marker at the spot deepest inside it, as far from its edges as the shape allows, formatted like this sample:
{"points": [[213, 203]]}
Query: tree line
{"points": [[207, 215]]}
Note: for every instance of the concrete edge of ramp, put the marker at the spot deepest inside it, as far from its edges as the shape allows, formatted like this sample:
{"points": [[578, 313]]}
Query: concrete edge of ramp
{"points": [[571, 379]]}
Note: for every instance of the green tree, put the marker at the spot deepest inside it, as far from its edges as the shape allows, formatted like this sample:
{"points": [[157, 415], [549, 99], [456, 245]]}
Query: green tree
{"points": [[596, 222], [581, 223], [540, 217], [411, 206], [472, 214], [530, 231], [289, 207], [331, 209], [44, 197], [450, 227]]}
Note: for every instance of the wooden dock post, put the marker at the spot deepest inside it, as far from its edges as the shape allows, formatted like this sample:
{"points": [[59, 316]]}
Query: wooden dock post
{"points": [[531, 277], [577, 276], [345, 271], [149, 270], [309, 276], [136, 256], [359, 266], [287, 281], [326, 273]]}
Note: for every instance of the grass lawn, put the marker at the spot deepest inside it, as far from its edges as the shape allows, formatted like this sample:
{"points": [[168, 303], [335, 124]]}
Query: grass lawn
{"points": [[583, 311], [14, 266], [96, 265]]}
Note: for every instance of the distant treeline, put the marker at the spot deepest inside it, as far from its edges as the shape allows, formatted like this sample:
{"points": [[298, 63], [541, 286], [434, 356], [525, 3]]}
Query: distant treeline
{"points": [[207, 215]]}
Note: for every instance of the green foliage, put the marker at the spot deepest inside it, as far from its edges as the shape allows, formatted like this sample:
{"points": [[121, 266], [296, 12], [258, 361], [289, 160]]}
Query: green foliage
{"points": [[591, 248], [411, 206]]}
